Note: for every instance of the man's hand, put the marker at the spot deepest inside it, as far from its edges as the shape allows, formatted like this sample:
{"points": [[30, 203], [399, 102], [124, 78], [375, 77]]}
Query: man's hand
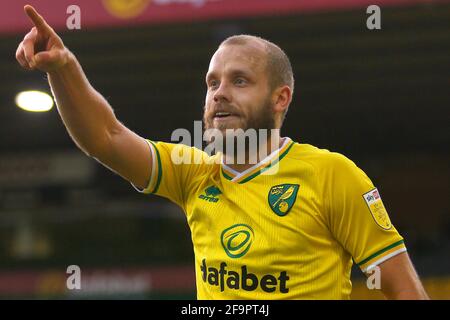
{"points": [[88, 117], [41, 48]]}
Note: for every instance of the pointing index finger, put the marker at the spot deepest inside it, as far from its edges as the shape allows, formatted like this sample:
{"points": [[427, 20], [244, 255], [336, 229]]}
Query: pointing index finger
{"points": [[37, 19]]}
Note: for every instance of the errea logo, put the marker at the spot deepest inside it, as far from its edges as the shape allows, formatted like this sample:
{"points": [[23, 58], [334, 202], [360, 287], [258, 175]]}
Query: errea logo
{"points": [[211, 194]]}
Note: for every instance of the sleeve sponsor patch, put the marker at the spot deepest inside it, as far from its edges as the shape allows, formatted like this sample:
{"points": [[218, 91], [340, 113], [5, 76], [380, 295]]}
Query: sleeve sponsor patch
{"points": [[377, 209]]}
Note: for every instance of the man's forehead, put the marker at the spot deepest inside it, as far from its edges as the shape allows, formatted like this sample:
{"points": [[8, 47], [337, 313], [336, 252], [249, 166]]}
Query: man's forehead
{"points": [[252, 55]]}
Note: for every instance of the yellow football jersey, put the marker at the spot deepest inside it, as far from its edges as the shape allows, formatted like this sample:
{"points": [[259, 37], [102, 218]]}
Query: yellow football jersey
{"points": [[287, 228]]}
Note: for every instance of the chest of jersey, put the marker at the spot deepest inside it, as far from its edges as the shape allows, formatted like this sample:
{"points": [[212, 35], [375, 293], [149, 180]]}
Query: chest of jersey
{"points": [[260, 233]]}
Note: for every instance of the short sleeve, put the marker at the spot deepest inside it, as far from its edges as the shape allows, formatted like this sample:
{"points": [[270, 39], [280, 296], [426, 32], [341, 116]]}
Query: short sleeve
{"points": [[177, 169], [357, 216]]}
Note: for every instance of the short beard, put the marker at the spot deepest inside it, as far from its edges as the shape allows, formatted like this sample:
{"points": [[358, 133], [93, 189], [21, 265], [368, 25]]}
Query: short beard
{"points": [[263, 119]]}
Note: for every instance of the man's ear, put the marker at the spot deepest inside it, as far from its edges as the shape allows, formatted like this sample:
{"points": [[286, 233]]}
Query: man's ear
{"points": [[282, 97]]}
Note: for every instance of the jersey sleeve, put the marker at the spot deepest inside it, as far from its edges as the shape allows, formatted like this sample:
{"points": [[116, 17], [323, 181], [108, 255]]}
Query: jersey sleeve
{"points": [[176, 170], [358, 218]]}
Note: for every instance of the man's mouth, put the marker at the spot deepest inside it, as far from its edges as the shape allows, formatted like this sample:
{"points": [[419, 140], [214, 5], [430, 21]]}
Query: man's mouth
{"points": [[222, 115]]}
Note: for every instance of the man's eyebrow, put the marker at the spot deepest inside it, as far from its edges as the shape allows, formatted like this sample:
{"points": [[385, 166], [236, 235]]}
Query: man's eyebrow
{"points": [[240, 72], [210, 75], [232, 72]]}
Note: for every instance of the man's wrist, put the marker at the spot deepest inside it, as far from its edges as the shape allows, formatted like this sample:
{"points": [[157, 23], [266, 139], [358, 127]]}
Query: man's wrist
{"points": [[69, 62]]}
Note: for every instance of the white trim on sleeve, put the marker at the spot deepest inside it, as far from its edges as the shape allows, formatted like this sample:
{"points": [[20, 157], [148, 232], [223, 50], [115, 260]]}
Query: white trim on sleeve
{"points": [[383, 259], [153, 173]]}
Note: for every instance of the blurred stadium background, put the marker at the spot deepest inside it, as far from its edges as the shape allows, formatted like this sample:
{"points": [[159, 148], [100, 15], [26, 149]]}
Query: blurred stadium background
{"points": [[380, 97]]}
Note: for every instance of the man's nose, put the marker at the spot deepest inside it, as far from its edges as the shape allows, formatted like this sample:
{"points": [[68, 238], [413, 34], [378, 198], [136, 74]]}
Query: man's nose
{"points": [[222, 93]]}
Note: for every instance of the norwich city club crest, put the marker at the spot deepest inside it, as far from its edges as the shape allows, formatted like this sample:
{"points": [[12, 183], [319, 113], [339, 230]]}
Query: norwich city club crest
{"points": [[282, 198]]}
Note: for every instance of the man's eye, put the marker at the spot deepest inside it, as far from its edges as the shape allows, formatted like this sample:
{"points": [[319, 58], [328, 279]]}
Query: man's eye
{"points": [[240, 81], [213, 84]]}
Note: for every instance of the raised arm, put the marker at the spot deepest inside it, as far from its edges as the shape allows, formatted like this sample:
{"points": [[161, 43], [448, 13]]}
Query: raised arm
{"points": [[88, 117]]}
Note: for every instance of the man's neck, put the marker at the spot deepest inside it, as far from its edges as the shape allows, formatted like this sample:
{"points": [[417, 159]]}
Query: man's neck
{"points": [[270, 145]]}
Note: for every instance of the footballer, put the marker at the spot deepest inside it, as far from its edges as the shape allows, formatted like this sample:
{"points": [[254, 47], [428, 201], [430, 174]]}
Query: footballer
{"points": [[288, 226]]}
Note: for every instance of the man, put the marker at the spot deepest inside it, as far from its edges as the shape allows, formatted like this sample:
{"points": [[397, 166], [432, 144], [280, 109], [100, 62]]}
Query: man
{"points": [[286, 227]]}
